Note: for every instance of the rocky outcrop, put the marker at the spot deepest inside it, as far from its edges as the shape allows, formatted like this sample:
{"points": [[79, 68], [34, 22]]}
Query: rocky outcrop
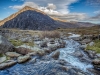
{"points": [[5, 45], [22, 59]]}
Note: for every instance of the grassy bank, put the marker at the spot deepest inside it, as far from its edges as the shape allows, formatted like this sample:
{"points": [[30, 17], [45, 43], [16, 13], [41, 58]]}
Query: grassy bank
{"points": [[95, 47]]}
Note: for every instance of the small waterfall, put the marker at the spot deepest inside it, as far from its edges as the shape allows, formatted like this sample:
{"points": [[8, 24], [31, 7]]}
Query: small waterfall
{"points": [[67, 54]]}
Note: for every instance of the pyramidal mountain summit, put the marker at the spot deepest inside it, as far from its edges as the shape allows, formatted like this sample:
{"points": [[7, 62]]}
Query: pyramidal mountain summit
{"points": [[34, 19]]}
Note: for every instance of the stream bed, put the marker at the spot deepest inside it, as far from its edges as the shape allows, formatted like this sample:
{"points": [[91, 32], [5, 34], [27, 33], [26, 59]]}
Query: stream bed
{"points": [[77, 61]]}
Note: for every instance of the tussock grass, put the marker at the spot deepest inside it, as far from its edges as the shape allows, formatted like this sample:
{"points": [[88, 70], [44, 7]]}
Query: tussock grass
{"points": [[49, 34], [95, 47], [19, 43]]}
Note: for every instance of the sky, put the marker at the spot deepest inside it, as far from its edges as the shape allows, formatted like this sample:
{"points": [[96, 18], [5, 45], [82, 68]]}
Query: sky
{"points": [[69, 10]]}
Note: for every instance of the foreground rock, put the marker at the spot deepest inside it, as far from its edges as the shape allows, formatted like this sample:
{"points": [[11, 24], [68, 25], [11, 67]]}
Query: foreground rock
{"points": [[12, 54], [2, 59], [22, 59], [96, 64], [7, 64], [5, 45], [22, 50]]}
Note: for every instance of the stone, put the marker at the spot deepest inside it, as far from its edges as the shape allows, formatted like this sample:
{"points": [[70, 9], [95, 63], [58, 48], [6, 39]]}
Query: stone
{"points": [[22, 59], [12, 54], [85, 41], [22, 50], [2, 59], [96, 61], [91, 53], [91, 43], [7, 64], [5, 45], [98, 55], [56, 54], [83, 46]]}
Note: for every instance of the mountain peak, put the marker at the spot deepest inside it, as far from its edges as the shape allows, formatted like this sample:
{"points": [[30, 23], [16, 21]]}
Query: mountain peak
{"points": [[30, 8], [26, 8]]}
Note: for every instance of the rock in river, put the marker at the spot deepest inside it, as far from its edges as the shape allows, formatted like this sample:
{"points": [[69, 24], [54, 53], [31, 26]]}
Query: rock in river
{"points": [[22, 59]]}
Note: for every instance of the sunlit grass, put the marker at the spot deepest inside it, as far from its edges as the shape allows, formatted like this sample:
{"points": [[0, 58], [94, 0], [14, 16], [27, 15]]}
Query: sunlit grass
{"points": [[95, 47], [19, 43]]}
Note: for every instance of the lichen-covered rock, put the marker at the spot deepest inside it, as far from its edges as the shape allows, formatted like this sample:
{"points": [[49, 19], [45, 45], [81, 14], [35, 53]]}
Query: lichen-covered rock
{"points": [[22, 50], [22, 59], [7, 64], [2, 59], [12, 54], [5, 45]]}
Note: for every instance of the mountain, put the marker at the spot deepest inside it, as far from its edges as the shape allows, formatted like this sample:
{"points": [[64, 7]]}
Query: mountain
{"points": [[31, 18]]}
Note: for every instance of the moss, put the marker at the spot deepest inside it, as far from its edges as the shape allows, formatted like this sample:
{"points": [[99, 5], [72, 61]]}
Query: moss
{"points": [[16, 42], [19, 43], [1, 55], [95, 47], [30, 44]]}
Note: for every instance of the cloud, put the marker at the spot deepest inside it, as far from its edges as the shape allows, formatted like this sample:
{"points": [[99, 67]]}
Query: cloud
{"points": [[18, 7], [58, 9], [51, 6], [93, 3], [97, 12]]}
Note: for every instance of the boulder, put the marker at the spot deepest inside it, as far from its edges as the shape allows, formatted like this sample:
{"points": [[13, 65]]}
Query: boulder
{"points": [[56, 54], [5, 45], [98, 55], [96, 61], [22, 50], [83, 46], [22, 59], [12, 54], [2, 59], [91, 53], [43, 44], [7, 64], [91, 43], [85, 41]]}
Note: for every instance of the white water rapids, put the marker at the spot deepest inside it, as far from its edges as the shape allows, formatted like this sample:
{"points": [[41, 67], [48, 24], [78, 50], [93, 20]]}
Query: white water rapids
{"points": [[67, 54]]}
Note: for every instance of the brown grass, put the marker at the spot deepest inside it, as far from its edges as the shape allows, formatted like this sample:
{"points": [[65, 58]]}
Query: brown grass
{"points": [[49, 34]]}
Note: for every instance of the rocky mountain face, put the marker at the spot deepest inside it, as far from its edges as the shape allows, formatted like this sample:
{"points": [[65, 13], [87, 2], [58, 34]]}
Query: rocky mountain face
{"points": [[33, 19]]}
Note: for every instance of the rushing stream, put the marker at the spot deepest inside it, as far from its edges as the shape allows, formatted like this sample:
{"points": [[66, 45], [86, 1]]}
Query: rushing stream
{"points": [[68, 54]]}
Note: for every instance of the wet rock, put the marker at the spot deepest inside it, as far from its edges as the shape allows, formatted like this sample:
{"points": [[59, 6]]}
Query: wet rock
{"points": [[22, 59], [85, 41], [83, 46], [41, 52], [96, 61], [98, 55], [5, 45], [91, 43], [7, 64], [91, 53], [78, 54], [12, 54], [2, 59], [56, 54], [22, 50], [43, 44], [52, 47], [62, 43]]}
